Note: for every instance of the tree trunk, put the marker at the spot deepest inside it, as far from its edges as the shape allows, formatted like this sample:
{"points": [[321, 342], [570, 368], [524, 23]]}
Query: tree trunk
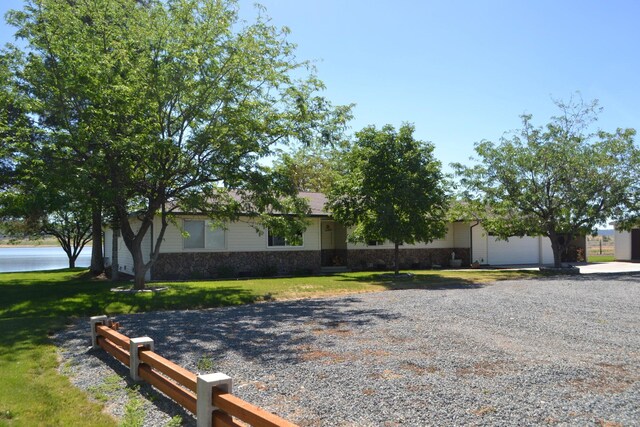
{"points": [[556, 248], [114, 254], [396, 256], [72, 262], [139, 268], [97, 260], [139, 281]]}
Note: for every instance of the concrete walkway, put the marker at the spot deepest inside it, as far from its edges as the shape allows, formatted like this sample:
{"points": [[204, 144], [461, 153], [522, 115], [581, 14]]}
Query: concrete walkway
{"points": [[585, 267], [608, 267]]}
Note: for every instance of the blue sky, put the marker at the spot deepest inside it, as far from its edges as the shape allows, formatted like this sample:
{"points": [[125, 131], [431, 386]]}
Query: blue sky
{"points": [[463, 71]]}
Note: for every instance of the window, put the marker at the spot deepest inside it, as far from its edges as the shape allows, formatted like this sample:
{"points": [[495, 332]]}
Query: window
{"points": [[375, 242], [273, 240], [202, 235]]}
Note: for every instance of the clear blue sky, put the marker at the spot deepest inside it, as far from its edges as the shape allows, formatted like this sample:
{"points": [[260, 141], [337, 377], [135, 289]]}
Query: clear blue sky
{"points": [[463, 71]]}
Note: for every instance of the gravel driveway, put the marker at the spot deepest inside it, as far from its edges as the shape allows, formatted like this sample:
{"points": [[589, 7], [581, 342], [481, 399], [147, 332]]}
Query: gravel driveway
{"points": [[556, 351]]}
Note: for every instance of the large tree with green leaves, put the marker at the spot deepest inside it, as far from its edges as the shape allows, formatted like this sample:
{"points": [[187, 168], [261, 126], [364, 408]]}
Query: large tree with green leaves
{"points": [[169, 105], [38, 192], [560, 181], [392, 189]]}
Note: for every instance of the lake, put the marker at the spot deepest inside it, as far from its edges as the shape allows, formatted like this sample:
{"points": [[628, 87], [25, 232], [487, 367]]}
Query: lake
{"points": [[21, 258]]}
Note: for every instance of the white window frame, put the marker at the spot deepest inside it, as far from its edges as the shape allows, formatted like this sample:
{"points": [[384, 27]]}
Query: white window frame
{"points": [[286, 243], [207, 227]]}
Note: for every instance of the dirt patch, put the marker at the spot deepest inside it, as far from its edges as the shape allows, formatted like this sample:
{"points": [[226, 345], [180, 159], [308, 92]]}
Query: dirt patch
{"points": [[309, 353], [607, 378], [419, 370], [484, 369]]}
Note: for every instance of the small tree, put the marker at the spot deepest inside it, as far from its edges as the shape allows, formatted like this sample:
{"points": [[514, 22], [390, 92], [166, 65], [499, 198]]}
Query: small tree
{"points": [[392, 189], [559, 181], [43, 200]]}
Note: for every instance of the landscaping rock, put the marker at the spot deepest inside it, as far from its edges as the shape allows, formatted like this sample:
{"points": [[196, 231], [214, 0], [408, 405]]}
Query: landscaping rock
{"points": [[559, 350]]}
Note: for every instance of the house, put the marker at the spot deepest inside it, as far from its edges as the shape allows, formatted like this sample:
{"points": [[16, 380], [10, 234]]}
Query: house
{"points": [[239, 250], [627, 245]]}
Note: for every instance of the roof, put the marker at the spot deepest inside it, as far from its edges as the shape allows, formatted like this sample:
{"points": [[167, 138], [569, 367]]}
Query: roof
{"points": [[317, 202]]}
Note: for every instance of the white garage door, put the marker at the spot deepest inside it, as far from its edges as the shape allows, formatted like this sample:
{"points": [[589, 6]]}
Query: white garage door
{"points": [[518, 250]]}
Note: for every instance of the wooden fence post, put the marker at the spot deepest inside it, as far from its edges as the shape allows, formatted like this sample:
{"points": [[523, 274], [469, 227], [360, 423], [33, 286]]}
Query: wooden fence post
{"points": [[206, 384]]}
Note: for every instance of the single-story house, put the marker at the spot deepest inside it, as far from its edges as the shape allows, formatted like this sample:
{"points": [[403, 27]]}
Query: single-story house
{"points": [[627, 245], [239, 250]]}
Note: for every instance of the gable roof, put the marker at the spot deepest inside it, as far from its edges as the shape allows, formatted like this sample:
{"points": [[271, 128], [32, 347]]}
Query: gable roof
{"points": [[316, 201]]}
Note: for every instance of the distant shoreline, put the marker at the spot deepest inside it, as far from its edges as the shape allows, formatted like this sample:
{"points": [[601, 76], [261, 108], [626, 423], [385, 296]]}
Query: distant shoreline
{"points": [[22, 245]]}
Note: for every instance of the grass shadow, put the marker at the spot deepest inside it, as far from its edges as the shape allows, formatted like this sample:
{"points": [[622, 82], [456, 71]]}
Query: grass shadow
{"points": [[438, 279]]}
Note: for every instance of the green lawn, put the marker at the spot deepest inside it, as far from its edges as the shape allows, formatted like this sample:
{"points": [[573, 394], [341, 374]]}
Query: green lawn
{"points": [[601, 258], [33, 305]]}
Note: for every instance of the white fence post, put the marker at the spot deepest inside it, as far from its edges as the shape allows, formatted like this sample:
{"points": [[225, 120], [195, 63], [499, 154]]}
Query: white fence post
{"points": [[206, 384], [134, 355], [96, 320]]}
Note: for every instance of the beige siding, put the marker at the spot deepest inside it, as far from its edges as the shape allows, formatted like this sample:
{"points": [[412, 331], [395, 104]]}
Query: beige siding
{"points": [[622, 248], [461, 237], [446, 242], [240, 236], [480, 245]]}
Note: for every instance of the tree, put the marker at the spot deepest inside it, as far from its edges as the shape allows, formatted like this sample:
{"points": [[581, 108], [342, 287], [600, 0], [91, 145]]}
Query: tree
{"points": [[313, 167], [392, 189], [169, 105], [45, 198], [558, 181], [35, 189]]}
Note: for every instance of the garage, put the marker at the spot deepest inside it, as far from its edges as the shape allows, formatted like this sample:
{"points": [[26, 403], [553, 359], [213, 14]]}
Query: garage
{"points": [[517, 250], [488, 249]]}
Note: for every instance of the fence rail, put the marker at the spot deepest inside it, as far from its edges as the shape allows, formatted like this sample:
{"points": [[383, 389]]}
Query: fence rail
{"points": [[209, 397]]}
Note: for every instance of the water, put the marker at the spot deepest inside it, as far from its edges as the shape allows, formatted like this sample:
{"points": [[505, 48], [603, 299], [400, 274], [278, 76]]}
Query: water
{"points": [[39, 258]]}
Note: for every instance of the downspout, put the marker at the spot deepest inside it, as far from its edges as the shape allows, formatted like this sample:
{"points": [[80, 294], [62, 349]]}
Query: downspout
{"points": [[471, 242]]}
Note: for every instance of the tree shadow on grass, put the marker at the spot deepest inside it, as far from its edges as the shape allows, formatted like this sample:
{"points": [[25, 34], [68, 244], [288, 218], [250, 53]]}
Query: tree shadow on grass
{"points": [[433, 281], [83, 296]]}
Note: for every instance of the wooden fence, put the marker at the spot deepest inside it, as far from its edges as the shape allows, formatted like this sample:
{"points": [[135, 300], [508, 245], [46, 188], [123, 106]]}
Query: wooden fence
{"points": [[209, 396]]}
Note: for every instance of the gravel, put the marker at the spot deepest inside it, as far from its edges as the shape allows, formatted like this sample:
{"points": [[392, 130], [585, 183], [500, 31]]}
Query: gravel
{"points": [[557, 351]]}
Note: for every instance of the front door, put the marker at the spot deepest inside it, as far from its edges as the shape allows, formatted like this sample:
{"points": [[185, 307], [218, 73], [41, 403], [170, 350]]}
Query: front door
{"points": [[333, 244], [635, 244]]}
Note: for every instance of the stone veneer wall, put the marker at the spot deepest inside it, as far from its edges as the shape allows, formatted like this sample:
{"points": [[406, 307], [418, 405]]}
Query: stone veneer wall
{"points": [[203, 265], [367, 259]]}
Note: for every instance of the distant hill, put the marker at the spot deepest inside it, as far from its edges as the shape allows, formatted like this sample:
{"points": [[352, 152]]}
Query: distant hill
{"points": [[607, 232]]}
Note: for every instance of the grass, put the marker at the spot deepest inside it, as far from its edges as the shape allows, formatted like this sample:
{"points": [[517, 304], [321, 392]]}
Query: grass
{"points": [[35, 304], [601, 258], [45, 241]]}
